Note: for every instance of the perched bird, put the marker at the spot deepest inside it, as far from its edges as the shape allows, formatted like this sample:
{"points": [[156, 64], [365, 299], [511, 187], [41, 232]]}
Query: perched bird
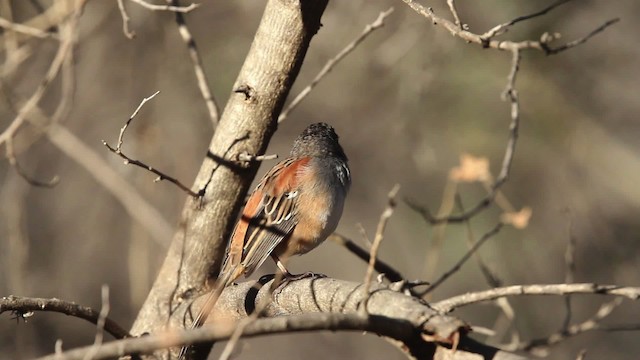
{"points": [[294, 208]]}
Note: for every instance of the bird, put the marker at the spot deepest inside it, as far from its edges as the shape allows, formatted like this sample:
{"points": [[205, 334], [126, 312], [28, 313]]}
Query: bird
{"points": [[293, 209]]}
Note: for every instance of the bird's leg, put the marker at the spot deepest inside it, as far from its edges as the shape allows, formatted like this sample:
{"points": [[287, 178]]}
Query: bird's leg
{"points": [[292, 277]]}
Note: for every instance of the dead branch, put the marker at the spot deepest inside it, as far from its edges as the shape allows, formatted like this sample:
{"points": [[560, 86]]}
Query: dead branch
{"points": [[378, 23], [452, 303], [201, 77], [129, 161], [377, 240], [21, 304]]}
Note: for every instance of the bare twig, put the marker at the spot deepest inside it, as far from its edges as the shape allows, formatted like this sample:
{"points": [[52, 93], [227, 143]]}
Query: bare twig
{"points": [[502, 28], [540, 347], [378, 23], [125, 21], [127, 160], [27, 30], [136, 206], [452, 303], [486, 40], [203, 83], [30, 104], [178, 9], [25, 304], [380, 266], [454, 12], [377, 240], [104, 312], [248, 157], [540, 45], [582, 40], [511, 94], [570, 269], [490, 277], [488, 235]]}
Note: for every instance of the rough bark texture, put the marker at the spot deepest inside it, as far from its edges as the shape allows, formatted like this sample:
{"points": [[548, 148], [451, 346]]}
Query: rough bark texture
{"points": [[426, 328], [247, 123]]}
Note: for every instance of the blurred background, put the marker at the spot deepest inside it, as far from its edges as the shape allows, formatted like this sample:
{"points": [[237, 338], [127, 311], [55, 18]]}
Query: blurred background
{"points": [[406, 103]]}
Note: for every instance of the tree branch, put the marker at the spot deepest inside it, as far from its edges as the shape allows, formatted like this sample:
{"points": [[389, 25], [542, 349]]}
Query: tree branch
{"points": [[378, 23], [246, 125], [315, 304], [21, 304], [452, 303]]}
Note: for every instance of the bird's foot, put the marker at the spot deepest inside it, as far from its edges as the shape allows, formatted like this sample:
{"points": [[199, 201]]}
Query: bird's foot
{"points": [[288, 277]]}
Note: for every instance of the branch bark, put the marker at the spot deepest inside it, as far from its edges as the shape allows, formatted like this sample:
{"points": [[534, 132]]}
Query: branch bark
{"points": [[318, 304], [248, 122]]}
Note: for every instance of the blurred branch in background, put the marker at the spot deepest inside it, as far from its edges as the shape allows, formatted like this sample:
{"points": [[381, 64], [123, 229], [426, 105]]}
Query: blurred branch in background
{"points": [[129, 161], [376, 24]]}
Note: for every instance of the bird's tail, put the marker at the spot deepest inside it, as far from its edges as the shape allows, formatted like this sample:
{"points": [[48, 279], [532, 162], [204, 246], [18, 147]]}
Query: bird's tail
{"points": [[223, 280]]}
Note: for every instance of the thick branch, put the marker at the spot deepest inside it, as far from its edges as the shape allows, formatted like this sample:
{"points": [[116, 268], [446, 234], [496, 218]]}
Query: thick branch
{"points": [[247, 123], [317, 304]]}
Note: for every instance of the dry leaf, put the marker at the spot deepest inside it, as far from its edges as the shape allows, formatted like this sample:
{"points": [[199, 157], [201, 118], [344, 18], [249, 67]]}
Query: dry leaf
{"points": [[518, 220], [471, 169]]}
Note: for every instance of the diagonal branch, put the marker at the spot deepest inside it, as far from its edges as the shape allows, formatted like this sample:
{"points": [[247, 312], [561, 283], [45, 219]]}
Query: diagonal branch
{"points": [[378, 23], [502, 28], [488, 235], [129, 161], [382, 224], [201, 77]]}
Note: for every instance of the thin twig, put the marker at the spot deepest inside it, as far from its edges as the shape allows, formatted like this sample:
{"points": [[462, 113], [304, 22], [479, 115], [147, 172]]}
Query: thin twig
{"points": [[248, 157], [454, 12], [125, 21], [26, 304], [488, 235], [455, 302], [127, 160], [540, 45], [502, 28], [134, 204], [509, 94], [377, 240], [201, 77], [491, 278], [380, 266], [570, 269], [13, 161], [178, 9], [378, 23], [485, 40], [52, 72], [27, 30], [104, 312], [540, 346], [582, 40]]}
